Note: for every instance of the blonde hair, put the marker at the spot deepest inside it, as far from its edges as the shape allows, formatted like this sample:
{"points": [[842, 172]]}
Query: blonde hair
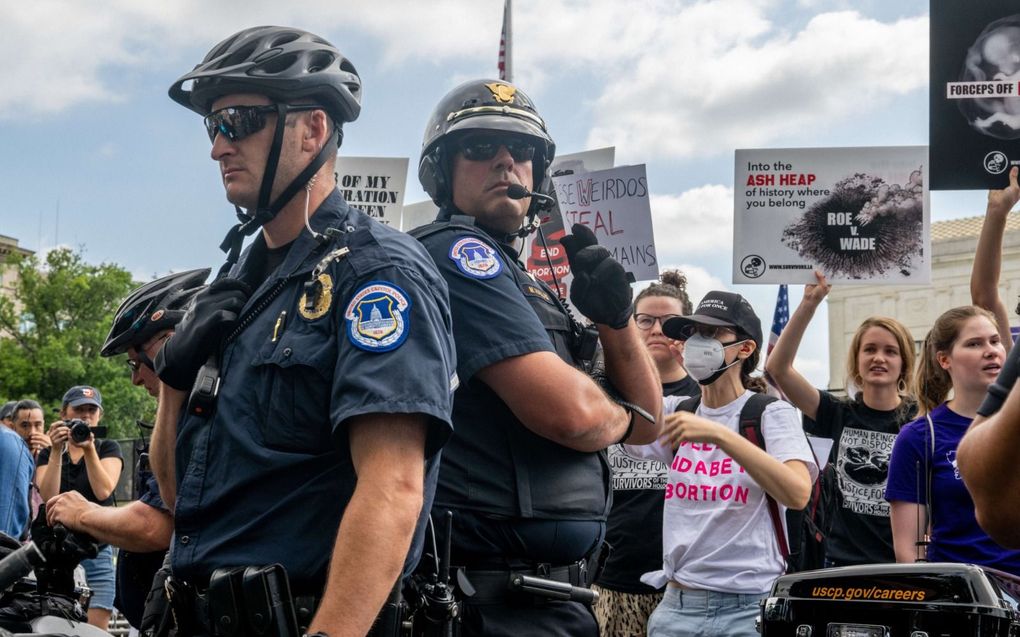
{"points": [[903, 340], [933, 382]]}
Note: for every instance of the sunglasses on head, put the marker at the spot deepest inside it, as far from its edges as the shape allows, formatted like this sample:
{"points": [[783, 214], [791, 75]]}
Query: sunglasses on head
{"points": [[485, 147], [237, 122]]}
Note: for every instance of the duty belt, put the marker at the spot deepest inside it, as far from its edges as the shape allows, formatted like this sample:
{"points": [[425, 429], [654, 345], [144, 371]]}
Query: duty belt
{"points": [[542, 582]]}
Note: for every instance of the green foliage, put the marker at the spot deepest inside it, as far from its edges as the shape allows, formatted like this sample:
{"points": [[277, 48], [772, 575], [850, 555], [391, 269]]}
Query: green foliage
{"points": [[52, 331]]}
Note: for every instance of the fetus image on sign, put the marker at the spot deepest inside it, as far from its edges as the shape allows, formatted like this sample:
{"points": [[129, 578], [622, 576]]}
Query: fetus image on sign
{"points": [[864, 228], [994, 57]]}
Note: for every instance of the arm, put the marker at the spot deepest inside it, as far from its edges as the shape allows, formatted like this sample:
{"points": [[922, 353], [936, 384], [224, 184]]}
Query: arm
{"points": [[375, 533], [908, 519], [779, 364], [984, 277], [103, 473], [987, 458], [788, 482], [162, 446], [631, 370], [558, 402], [136, 527]]}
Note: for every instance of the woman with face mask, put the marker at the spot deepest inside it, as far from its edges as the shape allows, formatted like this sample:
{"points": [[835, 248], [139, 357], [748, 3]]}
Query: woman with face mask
{"points": [[962, 355], [720, 549], [880, 366]]}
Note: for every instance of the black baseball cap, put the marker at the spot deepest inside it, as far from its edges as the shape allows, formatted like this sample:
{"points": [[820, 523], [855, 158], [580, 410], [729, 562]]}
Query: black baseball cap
{"points": [[82, 395], [719, 309]]}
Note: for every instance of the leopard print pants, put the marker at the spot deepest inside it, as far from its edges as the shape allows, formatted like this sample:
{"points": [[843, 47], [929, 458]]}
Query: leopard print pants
{"points": [[624, 614]]}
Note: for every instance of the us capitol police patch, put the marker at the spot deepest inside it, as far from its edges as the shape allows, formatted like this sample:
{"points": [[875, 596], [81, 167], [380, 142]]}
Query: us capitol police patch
{"points": [[475, 258], [378, 317]]}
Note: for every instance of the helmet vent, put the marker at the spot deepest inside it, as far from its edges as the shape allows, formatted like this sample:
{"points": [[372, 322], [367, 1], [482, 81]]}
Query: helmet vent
{"points": [[277, 64], [319, 61], [239, 56], [285, 38]]}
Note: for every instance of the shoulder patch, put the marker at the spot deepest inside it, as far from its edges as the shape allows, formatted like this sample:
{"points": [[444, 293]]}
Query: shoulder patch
{"points": [[378, 317], [475, 258]]}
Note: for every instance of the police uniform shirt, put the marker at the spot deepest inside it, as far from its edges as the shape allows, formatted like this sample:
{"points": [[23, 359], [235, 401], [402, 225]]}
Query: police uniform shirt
{"points": [[266, 478], [494, 465]]}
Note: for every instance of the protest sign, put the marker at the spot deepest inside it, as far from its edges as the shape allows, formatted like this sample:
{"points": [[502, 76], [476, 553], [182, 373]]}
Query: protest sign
{"points": [[856, 214], [375, 185], [614, 205], [974, 93], [536, 260], [418, 214]]}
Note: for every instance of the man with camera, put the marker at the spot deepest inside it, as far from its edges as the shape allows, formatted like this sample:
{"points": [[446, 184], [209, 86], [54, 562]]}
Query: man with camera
{"points": [[91, 466]]}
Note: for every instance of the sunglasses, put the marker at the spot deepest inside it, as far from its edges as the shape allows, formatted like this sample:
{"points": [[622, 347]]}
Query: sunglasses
{"points": [[646, 321], [143, 358], [484, 148], [706, 331], [238, 122]]}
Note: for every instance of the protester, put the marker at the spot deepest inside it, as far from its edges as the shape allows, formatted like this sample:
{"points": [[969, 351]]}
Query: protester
{"points": [[29, 423], [92, 468], [329, 348], [721, 548], [525, 473], [962, 355], [15, 477], [634, 527], [985, 272], [863, 428]]}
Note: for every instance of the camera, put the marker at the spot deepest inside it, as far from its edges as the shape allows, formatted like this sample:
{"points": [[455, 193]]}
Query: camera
{"points": [[80, 430]]}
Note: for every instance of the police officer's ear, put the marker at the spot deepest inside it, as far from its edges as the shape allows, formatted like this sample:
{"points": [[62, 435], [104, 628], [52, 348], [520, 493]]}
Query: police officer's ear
{"points": [[317, 130]]}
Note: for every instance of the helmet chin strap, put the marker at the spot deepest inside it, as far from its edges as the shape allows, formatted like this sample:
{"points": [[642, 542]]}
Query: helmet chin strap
{"points": [[265, 212]]}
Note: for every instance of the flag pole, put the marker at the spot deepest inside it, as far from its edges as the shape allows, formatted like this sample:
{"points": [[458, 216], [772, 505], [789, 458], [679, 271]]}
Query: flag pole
{"points": [[506, 57]]}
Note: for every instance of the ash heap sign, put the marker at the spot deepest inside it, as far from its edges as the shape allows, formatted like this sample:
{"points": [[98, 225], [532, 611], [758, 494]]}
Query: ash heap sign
{"points": [[856, 214]]}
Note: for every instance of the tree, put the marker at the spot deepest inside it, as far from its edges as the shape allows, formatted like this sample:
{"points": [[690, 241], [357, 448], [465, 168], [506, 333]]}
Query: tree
{"points": [[51, 333]]}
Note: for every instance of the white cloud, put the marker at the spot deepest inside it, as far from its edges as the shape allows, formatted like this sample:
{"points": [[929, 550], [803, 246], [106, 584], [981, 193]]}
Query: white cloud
{"points": [[695, 223]]}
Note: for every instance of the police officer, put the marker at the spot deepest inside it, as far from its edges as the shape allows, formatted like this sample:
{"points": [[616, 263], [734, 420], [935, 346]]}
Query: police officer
{"points": [[525, 474], [140, 529], [305, 437]]}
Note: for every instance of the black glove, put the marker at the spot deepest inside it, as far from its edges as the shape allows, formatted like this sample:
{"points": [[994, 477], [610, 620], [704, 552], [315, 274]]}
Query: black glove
{"points": [[211, 317], [600, 289]]}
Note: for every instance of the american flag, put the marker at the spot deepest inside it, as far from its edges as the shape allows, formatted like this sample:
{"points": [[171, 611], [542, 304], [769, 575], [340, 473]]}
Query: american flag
{"points": [[779, 320], [506, 58]]}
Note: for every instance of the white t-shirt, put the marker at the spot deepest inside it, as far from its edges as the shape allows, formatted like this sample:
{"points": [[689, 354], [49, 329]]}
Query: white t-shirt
{"points": [[717, 533]]}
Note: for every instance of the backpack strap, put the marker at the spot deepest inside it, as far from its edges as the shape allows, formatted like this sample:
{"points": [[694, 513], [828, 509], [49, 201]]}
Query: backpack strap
{"points": [[750, 428], [690, 404]]}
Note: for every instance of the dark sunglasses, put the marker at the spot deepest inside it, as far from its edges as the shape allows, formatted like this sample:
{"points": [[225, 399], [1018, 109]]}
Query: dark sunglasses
{"points": [[237, 122], [484, 148], [143, 357]]}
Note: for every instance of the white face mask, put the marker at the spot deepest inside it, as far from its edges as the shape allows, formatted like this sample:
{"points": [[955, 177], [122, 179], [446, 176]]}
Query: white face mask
{"points": [[704, 358]]}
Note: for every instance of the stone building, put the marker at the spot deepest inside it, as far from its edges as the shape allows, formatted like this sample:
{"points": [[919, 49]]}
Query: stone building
{"points": [[954, 243]]}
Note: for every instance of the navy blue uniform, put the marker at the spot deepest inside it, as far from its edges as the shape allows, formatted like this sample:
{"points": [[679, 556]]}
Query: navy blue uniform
{"points": [[267, 478], [519, 499]]}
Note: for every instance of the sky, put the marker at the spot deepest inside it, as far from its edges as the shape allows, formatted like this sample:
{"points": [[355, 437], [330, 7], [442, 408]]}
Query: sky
{"points": [[96, 156]]}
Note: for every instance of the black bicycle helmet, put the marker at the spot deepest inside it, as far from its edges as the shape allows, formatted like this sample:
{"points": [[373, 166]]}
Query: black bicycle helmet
{"points": [[483, 105], [281, 63], [156, 306]]}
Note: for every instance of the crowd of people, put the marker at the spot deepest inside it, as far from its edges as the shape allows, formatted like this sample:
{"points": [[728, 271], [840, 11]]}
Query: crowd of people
{"points": [[343, 400]]}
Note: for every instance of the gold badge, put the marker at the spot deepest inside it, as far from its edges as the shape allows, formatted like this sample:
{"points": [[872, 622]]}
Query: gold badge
{"points": [[320, 304], [504, 93]]}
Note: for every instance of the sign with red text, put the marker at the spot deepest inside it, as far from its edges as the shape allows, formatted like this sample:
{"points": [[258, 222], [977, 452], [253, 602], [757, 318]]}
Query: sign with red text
{"points": [[614, 205], [859, 215], [974, 93], [546, 259], [375, 185]]}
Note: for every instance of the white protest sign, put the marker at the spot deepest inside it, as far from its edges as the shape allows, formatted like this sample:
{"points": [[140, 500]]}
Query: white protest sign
{"points": [[856, 214], [537, 260], [418, 214], [375, 185]]}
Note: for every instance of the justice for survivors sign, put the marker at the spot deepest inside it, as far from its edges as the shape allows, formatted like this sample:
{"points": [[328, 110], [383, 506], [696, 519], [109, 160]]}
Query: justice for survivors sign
{"points": [[859, 215]]}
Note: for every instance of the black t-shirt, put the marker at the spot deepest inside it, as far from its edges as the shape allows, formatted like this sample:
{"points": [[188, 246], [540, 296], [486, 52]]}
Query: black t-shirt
{"points": [[863, 438], [75, 477], [634, 528]]}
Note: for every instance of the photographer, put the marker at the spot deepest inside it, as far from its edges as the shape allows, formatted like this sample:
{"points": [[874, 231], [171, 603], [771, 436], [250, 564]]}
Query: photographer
{"points": [[90, 466]]}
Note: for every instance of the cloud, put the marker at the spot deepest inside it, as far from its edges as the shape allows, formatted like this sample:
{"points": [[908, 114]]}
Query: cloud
{"points": [[695, 223]]}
